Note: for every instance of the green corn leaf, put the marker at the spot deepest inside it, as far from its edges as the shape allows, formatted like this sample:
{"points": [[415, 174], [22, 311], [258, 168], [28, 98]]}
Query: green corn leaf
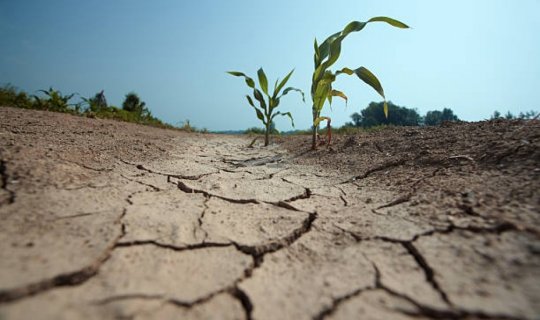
{"points": [[385, 109], [353, 27], [289, 89], [274, 103], [390, 21], [369, 78], [258, 95], [321, 95], [288, 114], [317, 55], [337, 93], [318, 120], [282, 83], [346, 71], [335, 51], [324, 48], [249, 81], [263, 81], [250, 101], [260, 115], [319, 72]]}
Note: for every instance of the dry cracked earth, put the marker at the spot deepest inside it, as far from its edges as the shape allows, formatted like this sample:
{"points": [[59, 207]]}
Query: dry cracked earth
{"points": [[108, 220]]}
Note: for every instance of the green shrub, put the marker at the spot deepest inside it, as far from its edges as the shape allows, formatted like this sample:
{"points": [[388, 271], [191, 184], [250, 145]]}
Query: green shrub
{"points": [[12, 97]]}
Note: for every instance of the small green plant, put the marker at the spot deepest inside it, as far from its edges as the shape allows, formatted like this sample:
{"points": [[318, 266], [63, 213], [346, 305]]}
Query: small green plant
{"points": [[325, 56], [265, 110], [55, 101], [12, 97], [98, 103]]}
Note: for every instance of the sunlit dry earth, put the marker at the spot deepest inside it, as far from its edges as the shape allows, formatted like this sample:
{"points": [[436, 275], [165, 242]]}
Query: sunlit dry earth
{"points": [[102, 219]]}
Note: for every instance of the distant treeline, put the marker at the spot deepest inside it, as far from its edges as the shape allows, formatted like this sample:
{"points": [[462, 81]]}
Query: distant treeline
{"points": [[373, 117], [133, 108], [510, 116]]}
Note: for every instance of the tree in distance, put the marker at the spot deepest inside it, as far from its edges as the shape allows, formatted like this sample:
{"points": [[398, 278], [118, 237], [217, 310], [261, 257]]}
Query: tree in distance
{"points": [[133, 103]]}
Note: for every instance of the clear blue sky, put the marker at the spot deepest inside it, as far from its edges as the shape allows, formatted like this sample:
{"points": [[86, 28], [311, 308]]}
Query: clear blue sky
{"points": [[473, 56]]}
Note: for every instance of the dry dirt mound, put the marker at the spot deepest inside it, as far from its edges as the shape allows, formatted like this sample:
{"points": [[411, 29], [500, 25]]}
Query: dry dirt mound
{"points": [[109, 220]]}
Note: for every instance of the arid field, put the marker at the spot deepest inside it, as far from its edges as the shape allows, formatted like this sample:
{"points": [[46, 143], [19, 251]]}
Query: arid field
{"points": [[108, 220]]}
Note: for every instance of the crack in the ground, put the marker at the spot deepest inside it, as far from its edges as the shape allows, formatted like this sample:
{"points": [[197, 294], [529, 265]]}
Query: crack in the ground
{"points": [[185, 188], [244, 300], [84, 166], [266, 177], [252, 162], [80, 215], [200, 221], [381, 167], [70, 278], [178, 248], [4, 178], [402, 199], [232, 290], [433, 313], [336, 302], [62, 280], [282, 203], [428, 270], [88, 186], [306, 195], [168, 175], [154, 188], [258, 252]]}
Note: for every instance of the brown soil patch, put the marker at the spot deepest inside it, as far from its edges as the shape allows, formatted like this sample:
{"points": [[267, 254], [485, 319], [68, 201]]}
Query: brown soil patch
{"points": [[110, 220]]}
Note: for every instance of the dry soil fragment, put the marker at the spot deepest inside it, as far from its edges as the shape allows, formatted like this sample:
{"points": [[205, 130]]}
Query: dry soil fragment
{"points": [[488, 273], [306, 277], [182, 167], [185, 276], [169, 218], [400, 272], [365, 224], [242, 186], [374, 305], [249, 224], [220, 307], [39, 243]]}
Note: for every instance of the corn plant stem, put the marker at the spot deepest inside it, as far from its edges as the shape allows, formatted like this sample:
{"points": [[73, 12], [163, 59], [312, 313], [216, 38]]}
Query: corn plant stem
{"points": [[314, 134], [267, 135]]}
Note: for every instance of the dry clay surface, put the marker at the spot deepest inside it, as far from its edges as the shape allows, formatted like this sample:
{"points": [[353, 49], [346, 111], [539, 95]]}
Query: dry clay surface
{"points": [[106, 220]]}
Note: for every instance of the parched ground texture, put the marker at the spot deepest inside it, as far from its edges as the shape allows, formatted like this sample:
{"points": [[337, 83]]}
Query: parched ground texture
{"points": [[108, 220]]}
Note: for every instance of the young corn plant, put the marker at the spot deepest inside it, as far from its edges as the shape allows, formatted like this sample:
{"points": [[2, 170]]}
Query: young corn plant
{"points": [[55, 101], [325, 56], [265, 109]]}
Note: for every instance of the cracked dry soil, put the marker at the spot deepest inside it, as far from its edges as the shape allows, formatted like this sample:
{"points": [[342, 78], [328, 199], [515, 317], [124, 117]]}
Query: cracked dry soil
{"points": [[108, 220]]}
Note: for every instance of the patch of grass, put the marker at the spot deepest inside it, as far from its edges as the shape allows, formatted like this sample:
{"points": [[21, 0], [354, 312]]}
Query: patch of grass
{"points": [[54, 100]]}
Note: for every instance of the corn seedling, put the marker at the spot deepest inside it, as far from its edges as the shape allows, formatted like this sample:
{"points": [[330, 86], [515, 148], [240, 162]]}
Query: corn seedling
{"points": [[265, 109], [325, 56], [55, 101]]}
